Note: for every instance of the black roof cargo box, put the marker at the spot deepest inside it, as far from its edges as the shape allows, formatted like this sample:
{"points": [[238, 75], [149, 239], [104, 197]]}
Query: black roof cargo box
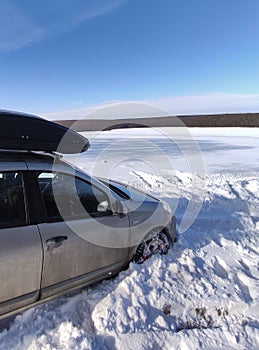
{"points": [[27, 132]]}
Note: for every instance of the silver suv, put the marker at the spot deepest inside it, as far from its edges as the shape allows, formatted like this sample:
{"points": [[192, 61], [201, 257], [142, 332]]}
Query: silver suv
{"points": [[61, 229]]}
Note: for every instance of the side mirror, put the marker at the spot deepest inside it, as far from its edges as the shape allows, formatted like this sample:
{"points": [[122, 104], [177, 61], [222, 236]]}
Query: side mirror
{"points": [[103, 207]]}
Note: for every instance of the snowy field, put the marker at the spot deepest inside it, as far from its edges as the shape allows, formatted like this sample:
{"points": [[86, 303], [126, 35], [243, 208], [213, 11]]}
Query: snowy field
{"points": [[204, 294]]}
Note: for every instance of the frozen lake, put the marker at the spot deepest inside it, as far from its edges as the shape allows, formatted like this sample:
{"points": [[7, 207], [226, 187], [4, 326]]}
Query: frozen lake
{"points": [[202, 151]]}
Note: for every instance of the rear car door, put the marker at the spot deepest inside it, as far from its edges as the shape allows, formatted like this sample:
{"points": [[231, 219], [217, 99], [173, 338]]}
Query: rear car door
{"points": [[71, 258], [20, 242]]}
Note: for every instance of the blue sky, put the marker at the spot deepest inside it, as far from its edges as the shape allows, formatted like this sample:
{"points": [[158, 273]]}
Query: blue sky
{"points": [[184, 55]]}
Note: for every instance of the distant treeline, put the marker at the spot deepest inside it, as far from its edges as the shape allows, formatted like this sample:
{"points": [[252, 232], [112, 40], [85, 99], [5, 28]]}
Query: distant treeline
{"points": [[210, 120]]}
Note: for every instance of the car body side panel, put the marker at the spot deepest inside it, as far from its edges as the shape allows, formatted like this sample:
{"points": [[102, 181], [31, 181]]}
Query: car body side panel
{"points": [[76, 256], [103, 241], [144, 218], [82, 281], [20, 266]]}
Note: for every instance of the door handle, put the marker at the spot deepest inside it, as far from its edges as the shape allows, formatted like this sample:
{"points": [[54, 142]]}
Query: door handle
{"points": [[56, 241]]}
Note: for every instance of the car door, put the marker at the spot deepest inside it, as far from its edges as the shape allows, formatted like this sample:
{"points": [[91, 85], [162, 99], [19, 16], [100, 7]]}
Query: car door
{"points": [[20, 242], [83, 239]]}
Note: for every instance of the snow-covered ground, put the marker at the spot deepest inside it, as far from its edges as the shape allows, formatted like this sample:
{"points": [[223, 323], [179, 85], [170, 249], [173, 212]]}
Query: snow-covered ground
{"points": [[205, 292]]}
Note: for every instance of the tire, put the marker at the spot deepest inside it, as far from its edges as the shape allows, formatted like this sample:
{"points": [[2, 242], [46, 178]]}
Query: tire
{"points": [[157, 243]]}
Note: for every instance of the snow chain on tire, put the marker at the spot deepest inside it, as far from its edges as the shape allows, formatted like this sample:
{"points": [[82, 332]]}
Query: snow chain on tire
{"points": [[145, 250]]}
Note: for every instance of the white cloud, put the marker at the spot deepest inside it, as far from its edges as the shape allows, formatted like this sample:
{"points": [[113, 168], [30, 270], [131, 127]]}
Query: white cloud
{"points": [[176, 105], [22, 24], [17, 30], [210, 103]]}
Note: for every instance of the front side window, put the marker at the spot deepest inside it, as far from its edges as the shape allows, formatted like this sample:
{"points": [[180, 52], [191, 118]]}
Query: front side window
{"points": [[12, 202], [66, 197]]}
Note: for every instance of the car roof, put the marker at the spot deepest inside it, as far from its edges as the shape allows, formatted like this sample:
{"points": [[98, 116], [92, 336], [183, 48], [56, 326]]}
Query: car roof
{"points": [[37, 161], [13, 156]]}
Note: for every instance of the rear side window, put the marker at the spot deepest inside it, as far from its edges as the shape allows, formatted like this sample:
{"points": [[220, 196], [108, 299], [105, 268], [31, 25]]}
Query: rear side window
{"points": [[12, 201]]}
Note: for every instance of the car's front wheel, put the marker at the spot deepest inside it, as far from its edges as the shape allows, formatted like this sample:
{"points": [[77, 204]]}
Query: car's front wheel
{"points": [[156, 243]]}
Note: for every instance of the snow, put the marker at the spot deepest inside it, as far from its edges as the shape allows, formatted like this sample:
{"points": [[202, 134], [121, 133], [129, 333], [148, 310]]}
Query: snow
{"points": [[204, 293]]}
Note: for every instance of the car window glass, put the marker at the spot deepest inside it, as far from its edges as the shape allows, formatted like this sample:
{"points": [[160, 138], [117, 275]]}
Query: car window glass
{"points": [[66, 197], [12, 203]]}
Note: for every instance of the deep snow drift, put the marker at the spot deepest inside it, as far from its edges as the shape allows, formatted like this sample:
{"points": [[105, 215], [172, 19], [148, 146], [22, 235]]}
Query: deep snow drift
{"points": [[203, 294]]}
